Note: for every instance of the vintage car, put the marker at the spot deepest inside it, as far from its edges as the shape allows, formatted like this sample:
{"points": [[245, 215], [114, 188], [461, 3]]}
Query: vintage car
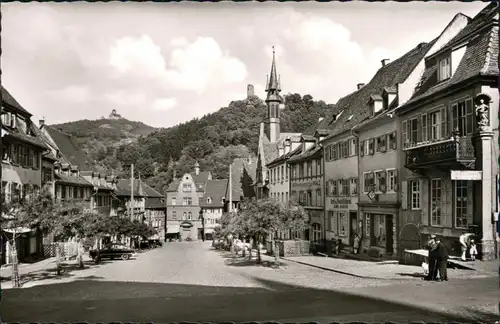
{"points": [[112, 251]]}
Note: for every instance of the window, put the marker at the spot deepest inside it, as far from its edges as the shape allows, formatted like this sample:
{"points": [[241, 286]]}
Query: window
{"points": [[392, 139], [186, 187], [339, 187], [46, 175], [174, 215], [435, 123], [287, 170], [309, 198], [330, 221], [436, 195], [369, 181], [327, 153], [353, 147], [444, 71], [464, 200], [301, 170], [318, 167], [415, 194], [184, 201], [342, 223], [334, 188], [345, 187], [282, 172], [463, 117], [367, 224], [209, 200], [391, 180], [345, 149], [380, 183], [316, 231], [184, 216], [278, 174], [174, 201], [309, 169], [334, 152], [319, 200], [381, 146], [412, 131], [371, 148], [378, 223], [190, 216], [354, 186], [75, 192]]}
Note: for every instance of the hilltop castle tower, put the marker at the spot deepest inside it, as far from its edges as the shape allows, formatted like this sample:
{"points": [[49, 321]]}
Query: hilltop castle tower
{"points": [[274, 103], [250, 91]]}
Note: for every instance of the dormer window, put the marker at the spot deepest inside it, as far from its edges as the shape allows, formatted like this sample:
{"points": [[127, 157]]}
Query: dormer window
{"points": [[209, 200], [444, 69], [376, 104]]}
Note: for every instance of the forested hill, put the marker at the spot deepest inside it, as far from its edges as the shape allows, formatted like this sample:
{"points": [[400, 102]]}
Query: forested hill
{"points": [[213, 140]]}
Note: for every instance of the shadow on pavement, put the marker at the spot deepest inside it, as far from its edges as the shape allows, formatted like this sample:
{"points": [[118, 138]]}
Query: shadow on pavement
{"points": [[414, 275], [243, 261], [100, 301]]}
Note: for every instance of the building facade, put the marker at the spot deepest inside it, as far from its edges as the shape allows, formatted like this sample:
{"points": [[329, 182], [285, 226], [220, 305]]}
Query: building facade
{"points": [[21, 171], [306, 186], [449, 132], [212, 205], [183, 205]]}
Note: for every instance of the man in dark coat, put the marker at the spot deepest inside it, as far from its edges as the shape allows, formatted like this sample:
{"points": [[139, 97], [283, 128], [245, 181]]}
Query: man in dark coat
{"points": [[433, 262], [442, 260]]}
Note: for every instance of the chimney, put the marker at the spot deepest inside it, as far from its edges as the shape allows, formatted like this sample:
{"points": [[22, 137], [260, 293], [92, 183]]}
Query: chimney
{"points": [[41, 122], [197, 168], [287, 145], [384, 62], [361, 85]]}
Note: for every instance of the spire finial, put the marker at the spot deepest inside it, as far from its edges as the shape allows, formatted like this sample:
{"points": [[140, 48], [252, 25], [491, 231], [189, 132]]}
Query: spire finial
{"points": [[273, 49]]}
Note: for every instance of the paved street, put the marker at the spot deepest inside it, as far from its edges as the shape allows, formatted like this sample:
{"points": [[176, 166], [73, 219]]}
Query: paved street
{"points": [[191, 282]]}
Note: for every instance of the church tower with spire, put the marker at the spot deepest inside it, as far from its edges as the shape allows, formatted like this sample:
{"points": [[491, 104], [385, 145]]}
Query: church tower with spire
{"points": [[274, 102]]}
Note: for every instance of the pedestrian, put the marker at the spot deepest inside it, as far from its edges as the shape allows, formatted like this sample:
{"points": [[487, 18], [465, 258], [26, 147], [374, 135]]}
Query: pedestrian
{"points": [[464, 242], [442, 258], [356, 244], [432, 258], [473, 250]]}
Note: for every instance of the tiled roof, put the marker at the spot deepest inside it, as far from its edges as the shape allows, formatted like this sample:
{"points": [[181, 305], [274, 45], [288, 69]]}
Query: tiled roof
{"points": [[243, 175], [141, 189], [354, 108], [49, 156], [62, 178], [174, 185], [9, 100], [68, 148], [480, 58], [285, 157], [315, 150], [16, 134], [215, 190], [155, 203]]}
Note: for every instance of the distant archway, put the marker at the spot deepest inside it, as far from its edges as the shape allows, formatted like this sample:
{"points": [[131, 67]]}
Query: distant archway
{"points": [[409, 239]]}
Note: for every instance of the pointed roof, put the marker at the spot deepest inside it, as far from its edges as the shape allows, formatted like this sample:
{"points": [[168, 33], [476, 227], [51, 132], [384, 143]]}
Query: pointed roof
{"points": [[273, 83], [479, 59], [8, 99], [243, 175], [141, 189]]}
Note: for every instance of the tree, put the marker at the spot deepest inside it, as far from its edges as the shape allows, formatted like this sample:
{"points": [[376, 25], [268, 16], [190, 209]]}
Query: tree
{"points": [[36, 212]]}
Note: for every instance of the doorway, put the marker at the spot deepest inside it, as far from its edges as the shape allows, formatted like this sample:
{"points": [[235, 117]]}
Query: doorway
{"points": [[389, 224], [353, 225]]}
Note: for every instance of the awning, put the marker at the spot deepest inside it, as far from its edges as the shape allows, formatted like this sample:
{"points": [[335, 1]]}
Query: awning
{"points": [[19, 230], [173, 229]]}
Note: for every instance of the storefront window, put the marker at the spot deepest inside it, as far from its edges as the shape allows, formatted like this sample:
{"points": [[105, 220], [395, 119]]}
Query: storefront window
{"points": [[379, 229], [367, 224], [316, 231], [342, 223], [463, 205]]}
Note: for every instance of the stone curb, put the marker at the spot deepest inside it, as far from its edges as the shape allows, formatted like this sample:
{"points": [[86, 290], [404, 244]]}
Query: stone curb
{"points": [[333, 270]]}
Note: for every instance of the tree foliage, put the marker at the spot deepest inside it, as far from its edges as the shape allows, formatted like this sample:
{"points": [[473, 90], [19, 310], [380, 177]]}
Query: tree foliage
{"points": [[213, 140]]}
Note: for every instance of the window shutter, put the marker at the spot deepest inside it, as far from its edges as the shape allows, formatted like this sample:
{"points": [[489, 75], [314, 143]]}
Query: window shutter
{"points": [[455, 117], [419, 130], [404, 134], [421, 190], [361, 148], [355, 141], [444, 131], [372, 146], [395, 180], [394, 140], [14, 121], [404, 195]]}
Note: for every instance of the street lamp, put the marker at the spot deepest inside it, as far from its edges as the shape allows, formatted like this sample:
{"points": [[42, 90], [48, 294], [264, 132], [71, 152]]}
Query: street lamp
{"points": [[202, 225]]}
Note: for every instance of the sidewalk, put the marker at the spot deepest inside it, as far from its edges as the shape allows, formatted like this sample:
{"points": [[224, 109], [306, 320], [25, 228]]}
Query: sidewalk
{"points": [[382, 270], [26, 268]]}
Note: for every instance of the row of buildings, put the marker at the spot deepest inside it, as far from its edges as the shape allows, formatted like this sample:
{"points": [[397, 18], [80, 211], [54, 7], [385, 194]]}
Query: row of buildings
{"points": [[409, 154], [41, 156]]}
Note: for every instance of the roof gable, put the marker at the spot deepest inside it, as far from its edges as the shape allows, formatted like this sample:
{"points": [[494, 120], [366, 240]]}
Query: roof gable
{"points": [[215, 191]]}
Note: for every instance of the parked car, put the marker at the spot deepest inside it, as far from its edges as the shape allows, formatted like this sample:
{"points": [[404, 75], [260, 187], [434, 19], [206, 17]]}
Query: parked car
{"points": [[113, 251]]}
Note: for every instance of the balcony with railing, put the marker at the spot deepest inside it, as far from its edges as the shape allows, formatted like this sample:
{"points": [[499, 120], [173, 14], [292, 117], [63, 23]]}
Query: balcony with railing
{"points": [[454, 153]]}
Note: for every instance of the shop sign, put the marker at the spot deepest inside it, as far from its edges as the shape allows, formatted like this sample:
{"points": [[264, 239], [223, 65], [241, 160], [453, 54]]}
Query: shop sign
{"points": [[341, 203], [466, 175]]}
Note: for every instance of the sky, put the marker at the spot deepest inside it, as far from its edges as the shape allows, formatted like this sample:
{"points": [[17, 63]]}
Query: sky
{"points": [[166, 63]]}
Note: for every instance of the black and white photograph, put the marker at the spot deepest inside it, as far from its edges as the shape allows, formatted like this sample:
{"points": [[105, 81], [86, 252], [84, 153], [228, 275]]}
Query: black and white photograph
{"points": [[249, 162]]}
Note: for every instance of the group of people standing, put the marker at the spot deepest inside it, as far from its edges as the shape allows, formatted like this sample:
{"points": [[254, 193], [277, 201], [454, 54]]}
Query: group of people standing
{"points": [[438, 260]]}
